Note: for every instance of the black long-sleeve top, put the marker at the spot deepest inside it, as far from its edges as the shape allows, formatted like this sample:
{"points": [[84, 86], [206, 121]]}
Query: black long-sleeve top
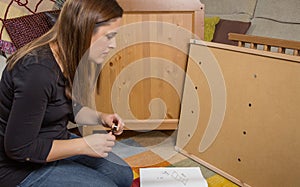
{"points": [[34, 111]]}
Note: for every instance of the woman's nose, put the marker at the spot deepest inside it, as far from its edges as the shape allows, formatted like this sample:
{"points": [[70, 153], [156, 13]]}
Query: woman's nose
{"points": [[113, 43]]}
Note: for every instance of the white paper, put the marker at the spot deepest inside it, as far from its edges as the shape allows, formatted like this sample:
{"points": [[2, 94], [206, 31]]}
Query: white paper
{"points": [[172, 177]]}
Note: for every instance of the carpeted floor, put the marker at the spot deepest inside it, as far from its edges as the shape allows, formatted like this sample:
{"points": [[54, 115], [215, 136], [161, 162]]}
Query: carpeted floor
{"points": [[157, 149]]}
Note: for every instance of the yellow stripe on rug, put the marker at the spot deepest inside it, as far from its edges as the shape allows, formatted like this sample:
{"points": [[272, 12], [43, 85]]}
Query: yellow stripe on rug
{"points": [[219, 181]]}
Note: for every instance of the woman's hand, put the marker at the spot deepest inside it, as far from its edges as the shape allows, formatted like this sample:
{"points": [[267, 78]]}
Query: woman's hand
{"points": [[98, 145], [95, 145], [108, 120]]}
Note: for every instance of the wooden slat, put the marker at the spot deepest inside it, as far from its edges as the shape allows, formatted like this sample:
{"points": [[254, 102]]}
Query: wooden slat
{"points": [[137, 125], [159, 5], [253, 46], [240, 44], [281, 50], [267, 48]]}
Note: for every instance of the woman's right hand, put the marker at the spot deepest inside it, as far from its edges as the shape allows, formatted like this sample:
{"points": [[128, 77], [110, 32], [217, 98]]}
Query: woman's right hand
{"points": [[99, 145]]}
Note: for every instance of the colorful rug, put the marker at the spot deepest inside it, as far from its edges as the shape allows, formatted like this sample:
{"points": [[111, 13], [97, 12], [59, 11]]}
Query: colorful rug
{"points": [[157, 149]]}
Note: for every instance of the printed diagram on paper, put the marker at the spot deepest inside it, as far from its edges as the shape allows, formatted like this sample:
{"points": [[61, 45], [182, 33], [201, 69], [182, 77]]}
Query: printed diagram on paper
{"points": [[172, 176]]}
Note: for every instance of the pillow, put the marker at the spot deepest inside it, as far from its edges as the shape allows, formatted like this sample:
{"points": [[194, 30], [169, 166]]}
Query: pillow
{"points": [[23, 30], [226, 26], [230, 7], [7, 47], [209, 27], [52, 16]]}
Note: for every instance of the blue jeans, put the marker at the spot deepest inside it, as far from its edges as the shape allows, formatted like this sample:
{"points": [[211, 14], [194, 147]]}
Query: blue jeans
{"points": [[82, 171]]}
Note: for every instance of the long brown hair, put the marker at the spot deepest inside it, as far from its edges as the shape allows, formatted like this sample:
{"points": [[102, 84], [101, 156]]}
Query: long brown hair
{"points": [[72, 33]]}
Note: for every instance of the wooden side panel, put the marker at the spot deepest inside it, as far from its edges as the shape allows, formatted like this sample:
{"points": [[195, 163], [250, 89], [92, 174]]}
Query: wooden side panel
{"points": [[258, 141], [154, 32], [148, 88]]}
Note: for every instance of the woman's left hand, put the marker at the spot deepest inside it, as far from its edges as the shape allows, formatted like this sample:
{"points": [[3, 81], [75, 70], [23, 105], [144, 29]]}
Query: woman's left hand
{"points": [[108, 120]]}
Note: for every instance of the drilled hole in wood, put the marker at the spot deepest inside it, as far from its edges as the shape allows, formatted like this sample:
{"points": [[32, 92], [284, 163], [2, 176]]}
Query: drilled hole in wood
{"points": [[239, 160], [192, 111], [189, 135], [200, 63], [196, 87], [255, 76], [111, 64], [244, 132], [250, 104]]}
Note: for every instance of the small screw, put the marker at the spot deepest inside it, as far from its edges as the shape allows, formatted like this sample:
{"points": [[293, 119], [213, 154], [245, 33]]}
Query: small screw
{"points": [[114, 127]]}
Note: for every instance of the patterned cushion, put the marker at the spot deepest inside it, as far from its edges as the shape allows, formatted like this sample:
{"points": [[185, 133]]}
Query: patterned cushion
{"points": [[25, 29], [7, 47]]}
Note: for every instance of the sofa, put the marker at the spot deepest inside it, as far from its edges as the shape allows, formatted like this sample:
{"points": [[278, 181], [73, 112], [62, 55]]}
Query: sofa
{"points": [[266, 18]]}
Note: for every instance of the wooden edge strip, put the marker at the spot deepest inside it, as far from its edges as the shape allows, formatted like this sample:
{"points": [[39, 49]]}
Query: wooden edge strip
{"points": [[287, 57], [215, 169]]}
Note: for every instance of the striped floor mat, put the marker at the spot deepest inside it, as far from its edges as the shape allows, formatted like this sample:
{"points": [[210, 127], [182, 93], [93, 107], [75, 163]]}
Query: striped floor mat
{"points": [[157, 149]]}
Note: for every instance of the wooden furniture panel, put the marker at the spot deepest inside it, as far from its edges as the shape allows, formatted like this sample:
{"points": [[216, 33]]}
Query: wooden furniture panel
{"points": [[155, 34], [254, 114]]}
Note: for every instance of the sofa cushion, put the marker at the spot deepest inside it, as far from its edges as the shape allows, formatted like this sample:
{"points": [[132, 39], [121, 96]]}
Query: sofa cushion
{"points": [[281, 11], [52, 16], [276, 19], [24, 29], [274, 29], [228, 26], [230, 9], [209, 27]]}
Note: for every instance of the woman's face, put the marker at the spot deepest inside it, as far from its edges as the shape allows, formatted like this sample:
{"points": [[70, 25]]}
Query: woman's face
{"points": [[103, 40]]}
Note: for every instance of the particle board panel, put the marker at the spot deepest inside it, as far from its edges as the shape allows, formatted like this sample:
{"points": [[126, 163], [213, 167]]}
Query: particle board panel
{"points": [[240, 114]]}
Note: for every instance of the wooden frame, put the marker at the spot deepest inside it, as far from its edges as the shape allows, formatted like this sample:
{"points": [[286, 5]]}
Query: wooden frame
{"points": [[194, 6], [255, 138], [267, 43], [181, 15]]}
